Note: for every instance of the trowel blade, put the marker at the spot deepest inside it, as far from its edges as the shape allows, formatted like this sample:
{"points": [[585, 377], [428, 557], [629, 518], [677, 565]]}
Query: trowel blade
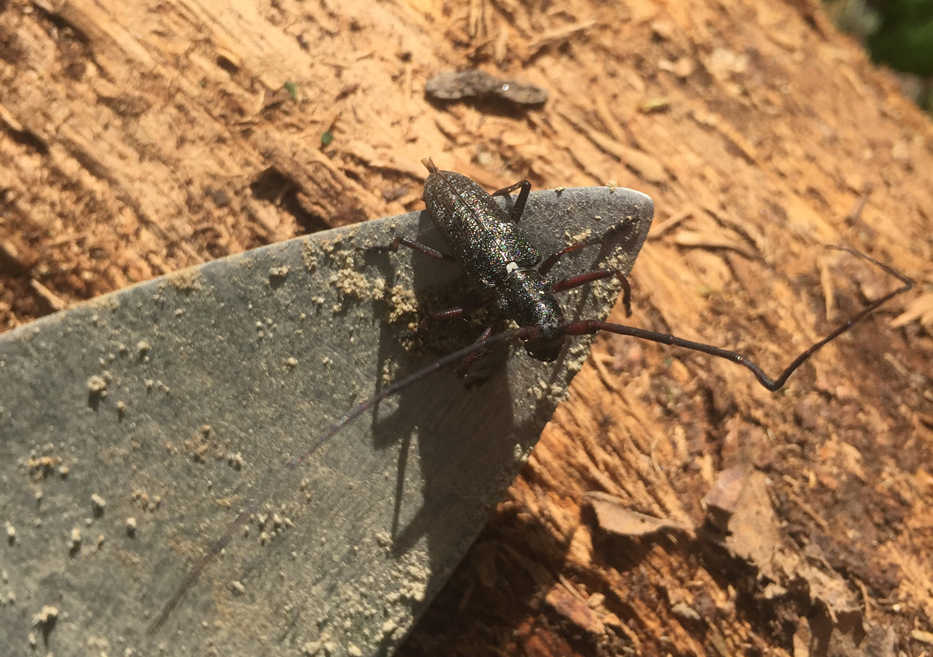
{"points": [[134, 427]]}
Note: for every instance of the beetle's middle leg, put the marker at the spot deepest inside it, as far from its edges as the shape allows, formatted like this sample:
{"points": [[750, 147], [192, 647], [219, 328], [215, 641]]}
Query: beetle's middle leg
{"points": [[466, 370], [599, 274]]}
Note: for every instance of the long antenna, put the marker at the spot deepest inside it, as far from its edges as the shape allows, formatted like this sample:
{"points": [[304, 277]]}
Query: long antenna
{"points": [[591, 326]]}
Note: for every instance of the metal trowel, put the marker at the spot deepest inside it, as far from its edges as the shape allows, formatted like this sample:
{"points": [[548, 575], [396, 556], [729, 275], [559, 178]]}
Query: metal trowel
{"points": [[135, 427]]}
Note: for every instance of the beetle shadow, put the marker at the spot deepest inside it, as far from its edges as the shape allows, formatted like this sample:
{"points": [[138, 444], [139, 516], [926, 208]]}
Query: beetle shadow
{"points": [[462, 438]]}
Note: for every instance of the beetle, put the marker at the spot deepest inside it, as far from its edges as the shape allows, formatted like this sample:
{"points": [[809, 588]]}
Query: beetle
{"points": [[488, 243], [494, 253]]}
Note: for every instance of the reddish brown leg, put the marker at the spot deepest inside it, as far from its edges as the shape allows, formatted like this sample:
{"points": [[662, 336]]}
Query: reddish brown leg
{"points": [[552, 259], [458, 311], [450, 313], [599, 274], [583, 327], [463, 370]]}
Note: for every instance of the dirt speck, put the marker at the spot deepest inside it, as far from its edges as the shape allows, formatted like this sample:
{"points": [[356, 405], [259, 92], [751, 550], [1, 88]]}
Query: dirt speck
{"points": [[74, 540], [187, 280], [277, 275], [98, 504], [97, 386]]}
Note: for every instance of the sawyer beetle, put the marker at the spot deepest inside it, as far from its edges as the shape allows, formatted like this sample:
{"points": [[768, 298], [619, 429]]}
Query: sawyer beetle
{"points": [[493, 251]]}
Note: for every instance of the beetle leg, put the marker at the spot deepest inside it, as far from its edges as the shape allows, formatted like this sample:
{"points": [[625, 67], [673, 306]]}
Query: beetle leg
{"points": [[456, 311], [450, 313], [466, 365], [552, 259], [516, 212], [599, 274], [423, 248]]}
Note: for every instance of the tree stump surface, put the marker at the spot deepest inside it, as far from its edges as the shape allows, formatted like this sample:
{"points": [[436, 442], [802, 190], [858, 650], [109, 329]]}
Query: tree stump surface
{"points": [[142, 138]]}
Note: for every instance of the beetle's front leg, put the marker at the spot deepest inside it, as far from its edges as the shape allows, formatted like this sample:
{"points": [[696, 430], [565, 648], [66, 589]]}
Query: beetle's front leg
{"points": [[519, 208]]}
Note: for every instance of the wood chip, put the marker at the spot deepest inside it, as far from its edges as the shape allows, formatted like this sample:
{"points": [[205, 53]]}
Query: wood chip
{"points": [[614, 517]]}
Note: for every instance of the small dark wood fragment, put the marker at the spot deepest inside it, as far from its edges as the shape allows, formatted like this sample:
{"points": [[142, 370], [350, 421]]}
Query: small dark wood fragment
{"points": [[458, 85]]}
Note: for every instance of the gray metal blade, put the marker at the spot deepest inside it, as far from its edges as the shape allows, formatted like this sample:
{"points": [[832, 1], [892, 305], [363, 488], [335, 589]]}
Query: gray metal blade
{"points": [[134, 427]]}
